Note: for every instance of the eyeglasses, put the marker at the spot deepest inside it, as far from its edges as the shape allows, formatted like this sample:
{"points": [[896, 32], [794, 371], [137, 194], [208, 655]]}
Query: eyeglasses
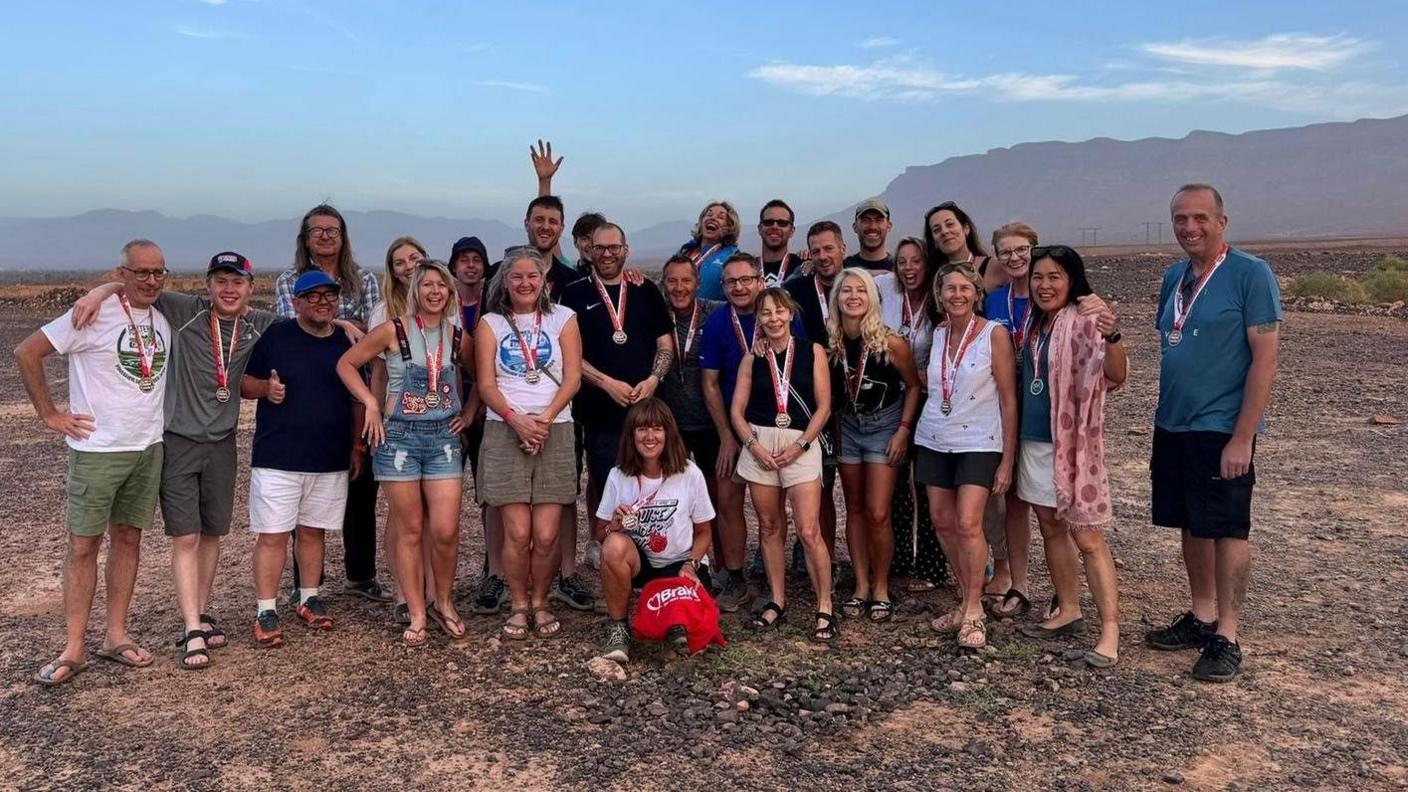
{"points": [[745, 281], [614, 250], [321, 297], [151, 276], [1014, 252], [324, 233], [774, 223]]}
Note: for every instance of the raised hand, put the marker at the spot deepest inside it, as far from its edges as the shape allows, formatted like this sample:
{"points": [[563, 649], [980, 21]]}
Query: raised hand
{"points": [[1104, 313], [543, 163]]}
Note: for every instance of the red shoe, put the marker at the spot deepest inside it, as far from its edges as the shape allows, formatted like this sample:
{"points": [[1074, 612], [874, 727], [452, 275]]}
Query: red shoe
{"points": [[314, 614], [267, 632]]}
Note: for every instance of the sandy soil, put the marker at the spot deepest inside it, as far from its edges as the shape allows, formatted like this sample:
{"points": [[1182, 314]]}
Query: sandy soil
{"points": [[1322, 701]]}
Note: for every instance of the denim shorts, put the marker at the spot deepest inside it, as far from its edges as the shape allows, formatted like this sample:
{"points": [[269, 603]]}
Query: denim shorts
{"points": [[865, 436], [418, 451]]}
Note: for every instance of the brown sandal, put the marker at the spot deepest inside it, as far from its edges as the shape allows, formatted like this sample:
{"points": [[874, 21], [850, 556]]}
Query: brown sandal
{"points": [[412, 638], [518, 632], [973, 634], [947, 624], [546, 629]]}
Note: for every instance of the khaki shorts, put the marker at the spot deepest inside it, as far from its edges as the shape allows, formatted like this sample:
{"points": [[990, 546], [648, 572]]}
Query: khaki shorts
{"points": [[113, 487], [509, 475], [806, 468]]}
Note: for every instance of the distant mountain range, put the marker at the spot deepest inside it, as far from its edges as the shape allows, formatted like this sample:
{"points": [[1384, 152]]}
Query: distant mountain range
{"points": [[1337, 179]]}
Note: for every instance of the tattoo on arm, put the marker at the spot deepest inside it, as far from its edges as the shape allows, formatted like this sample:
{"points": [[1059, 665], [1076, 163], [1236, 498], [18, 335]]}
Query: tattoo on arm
{"points": [[663, 359], [1268, 327]]}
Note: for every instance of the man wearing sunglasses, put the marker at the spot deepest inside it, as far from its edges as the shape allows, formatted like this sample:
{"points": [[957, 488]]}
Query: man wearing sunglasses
{"points": [[113, 426], [776, 225]]}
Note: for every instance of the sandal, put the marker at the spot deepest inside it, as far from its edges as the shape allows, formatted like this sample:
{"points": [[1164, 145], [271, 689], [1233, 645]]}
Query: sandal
{"points": [[1053, 608], [828, 632], [452, 626], [854, 607], [881, 611], [973, 634], [947, 624], [185, 663], [760, 620], [118, 654], [919, 585], [412, 638], [517, 632], [545, 629], [1072, 628], [1002, 611], [214, 637], [48, 680]]}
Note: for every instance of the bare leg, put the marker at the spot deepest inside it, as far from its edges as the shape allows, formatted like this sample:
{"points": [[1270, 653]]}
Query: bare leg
{"points": [[943, 513], [547, 519], [185, 575], [1200, 559], [208, 560], [1018, 528], [566, 541], [518, 536], [270, 552], [1061, 562], [1234, 565], [310, 552], [124, 551], [620, 561], [733, 529], [494, 540], [880, 486], [972, 547], [858, 529], [772, 531], [1100, 576], [80, 582], [805, 500], [442, 499], [406, 503]]}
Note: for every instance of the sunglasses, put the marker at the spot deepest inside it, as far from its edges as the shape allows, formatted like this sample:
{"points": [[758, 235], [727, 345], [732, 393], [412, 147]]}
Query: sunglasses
{"points": [[774, 223]]}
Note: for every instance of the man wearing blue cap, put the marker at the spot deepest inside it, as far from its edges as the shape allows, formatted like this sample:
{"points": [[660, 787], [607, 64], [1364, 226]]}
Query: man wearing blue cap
{"points": [[304, 428]]}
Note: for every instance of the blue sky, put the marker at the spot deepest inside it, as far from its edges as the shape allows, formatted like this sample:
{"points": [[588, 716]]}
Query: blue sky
{"points": [[256, 109]]}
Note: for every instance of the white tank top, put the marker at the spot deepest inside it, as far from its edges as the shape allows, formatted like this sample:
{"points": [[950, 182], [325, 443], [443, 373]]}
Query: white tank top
{"points": [[975, 424], [510, 369]]}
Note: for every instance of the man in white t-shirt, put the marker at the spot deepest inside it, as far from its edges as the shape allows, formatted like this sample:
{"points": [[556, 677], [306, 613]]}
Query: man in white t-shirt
{"points": [[113, 426]]}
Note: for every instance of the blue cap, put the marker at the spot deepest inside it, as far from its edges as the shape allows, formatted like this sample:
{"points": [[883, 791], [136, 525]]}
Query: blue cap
{"points": [[313, 279]]}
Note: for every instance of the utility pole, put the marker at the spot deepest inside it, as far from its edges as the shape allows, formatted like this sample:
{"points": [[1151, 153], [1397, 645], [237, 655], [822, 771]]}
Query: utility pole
{"points": [[1094, 235], [1148, 236]]}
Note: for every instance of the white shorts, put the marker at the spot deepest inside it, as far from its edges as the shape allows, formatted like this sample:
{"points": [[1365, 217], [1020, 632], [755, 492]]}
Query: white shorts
{"points": [[282, 499], [1036, 473]]}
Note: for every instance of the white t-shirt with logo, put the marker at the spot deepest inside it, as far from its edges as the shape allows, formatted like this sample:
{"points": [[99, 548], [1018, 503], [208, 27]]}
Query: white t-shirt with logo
{"points": [[104, 370], [665, 531], [510, 368]]}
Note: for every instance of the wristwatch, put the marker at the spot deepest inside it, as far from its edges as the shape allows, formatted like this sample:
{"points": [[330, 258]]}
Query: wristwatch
{"points": [[807, 446], [1113, 338]]}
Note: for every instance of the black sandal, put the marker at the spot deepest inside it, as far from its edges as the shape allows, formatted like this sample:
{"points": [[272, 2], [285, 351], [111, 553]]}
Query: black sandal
{"points": [[881, 610], [854, 608], [828, 632], [214, 633], [760, 622], [1001, 611], [185, 643]]}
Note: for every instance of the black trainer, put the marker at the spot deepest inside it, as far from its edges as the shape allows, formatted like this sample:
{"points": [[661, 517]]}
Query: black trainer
{"points": [[1186, 632], [1219, 661], [677, 639]]}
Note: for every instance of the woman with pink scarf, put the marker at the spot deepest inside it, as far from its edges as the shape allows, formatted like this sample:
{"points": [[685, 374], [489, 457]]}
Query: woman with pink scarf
{"points": [[1071, 357]]}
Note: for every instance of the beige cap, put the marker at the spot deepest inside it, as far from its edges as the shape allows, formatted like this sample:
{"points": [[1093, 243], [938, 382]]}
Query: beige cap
{"points": [[872, 205]]}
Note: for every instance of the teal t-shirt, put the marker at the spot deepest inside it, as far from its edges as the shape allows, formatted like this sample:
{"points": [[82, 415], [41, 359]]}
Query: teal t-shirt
{"points": [[1201, 378], [1036, 410]]}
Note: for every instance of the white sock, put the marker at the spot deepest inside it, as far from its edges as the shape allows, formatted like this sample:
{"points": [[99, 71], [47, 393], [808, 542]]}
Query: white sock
{"points": [[305, 593], [265, 604]]}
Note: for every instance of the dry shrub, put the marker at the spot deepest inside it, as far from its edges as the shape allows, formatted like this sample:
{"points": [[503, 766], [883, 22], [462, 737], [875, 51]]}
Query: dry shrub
{"points": [[1326, 286], [1385, 285]]}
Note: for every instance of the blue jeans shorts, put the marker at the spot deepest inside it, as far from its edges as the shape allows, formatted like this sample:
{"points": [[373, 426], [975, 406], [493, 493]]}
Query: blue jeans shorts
{"points": [[418, 451], [865, 436]]}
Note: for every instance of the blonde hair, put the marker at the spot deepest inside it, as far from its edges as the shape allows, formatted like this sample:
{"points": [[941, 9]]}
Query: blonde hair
{"points": [[392, 290], [874, 335], [731, 229], [423, 268]]}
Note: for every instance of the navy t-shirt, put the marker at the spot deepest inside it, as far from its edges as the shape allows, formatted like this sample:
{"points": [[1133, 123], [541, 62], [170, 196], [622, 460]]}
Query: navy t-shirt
{"points": [[647, 318], [310, 431]]}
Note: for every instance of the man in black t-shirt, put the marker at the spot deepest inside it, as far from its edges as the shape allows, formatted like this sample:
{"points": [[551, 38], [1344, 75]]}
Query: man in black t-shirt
{"points": [[872, 226], [627, 349], [776, 224]]}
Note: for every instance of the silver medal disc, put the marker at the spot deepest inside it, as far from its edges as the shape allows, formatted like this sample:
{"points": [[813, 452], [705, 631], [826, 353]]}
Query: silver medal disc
{"points": [[432, 400], [783, 420], [145, 384], [946, 407], [629, 522], [532, 377], [222, 394], [619, 336], [1175, 337], [1037, 387]]}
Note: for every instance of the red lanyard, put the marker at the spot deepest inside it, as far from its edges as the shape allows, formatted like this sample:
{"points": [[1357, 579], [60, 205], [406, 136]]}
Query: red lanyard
{"points": [[688, 341], [1018, 328], [853, 381], [617, 312], [743, 344], [1039, 341], [947, 381], [432, 364], [821, 298], [781, 267], [642, 499], [907, 320], [530, 355], [217, 350], [145, 355], [1180, 312], [782, 381]]}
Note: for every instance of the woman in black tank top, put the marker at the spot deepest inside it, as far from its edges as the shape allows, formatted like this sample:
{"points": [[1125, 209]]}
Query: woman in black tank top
{"points": [[781, 406]]}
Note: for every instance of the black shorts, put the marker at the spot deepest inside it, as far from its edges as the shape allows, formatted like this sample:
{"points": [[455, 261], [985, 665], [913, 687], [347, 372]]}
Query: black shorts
{"points": [[703, 446], [1189, 491], [648, 573], [951, 471]]}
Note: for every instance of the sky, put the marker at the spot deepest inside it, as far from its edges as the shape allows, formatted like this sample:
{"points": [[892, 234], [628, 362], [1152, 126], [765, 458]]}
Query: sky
{"points": [[258, 109]]}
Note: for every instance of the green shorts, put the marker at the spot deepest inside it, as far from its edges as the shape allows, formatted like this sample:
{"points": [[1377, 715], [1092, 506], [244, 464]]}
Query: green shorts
{"points": [[113, 487]]}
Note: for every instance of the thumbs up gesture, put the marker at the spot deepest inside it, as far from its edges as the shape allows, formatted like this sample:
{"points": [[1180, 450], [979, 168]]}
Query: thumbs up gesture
{"points": [[276, 388]]}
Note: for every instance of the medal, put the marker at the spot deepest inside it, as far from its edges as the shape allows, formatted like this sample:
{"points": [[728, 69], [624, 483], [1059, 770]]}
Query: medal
{"points": [[1181, 311], [145, 355], [432, 364], [630, 521], [222, 361], [782, 382], [1040, 342], [947, 381], [530, 354], [617, 312], [904, 330], [1037, 387], [743, 344], [532, 377]]}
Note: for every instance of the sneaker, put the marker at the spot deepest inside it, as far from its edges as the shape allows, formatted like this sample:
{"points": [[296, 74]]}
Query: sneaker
{"points": [[491, 595], [315, 614], [571, 592], [734, 593], [677, 639], [368, 589], [267, 632], [1186, 632], [617, 645], [592, 556], [1219, 661]]}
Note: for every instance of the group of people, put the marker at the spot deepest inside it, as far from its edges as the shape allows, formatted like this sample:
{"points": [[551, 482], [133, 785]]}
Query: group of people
{"points": [[954, 391]]}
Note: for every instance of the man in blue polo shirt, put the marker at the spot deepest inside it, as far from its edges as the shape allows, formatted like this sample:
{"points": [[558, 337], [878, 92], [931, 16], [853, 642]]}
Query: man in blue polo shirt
{"points": [[1218, 317]]}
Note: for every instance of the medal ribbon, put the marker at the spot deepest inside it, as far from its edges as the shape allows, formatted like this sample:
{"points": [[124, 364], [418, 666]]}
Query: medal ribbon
{"points": [[617, 312], [145, 356], [1180, 312], [217, 349], [530, 354], [782, 382], [688, 341], [1039, 341], [646, 500], [908, 318], [1019, 329], [703, 254], [738, 331], [432, 365], [821, 298], [853, 381], [947, 382]]}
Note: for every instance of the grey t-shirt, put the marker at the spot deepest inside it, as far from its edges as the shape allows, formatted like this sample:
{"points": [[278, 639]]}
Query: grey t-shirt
{"points": [[683, 388], [192, 410]]}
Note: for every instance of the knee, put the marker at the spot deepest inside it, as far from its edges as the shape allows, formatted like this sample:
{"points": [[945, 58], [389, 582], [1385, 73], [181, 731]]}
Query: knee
{"points": [[185, 544], [1053, 530], [1089, 542], [969, 528], [125, 537], [877, 518], [809, 533], [84, 548], [616, 551], [769, 526]]}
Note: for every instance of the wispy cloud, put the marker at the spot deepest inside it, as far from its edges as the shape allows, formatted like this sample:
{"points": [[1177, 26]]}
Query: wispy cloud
{"points": [[514, 86], [331, 24], [1275, 52], [877, 42], [194, 31]]}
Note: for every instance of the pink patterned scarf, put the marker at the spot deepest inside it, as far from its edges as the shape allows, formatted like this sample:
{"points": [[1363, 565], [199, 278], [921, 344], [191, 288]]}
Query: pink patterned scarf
{"points": [[1078, 387]]}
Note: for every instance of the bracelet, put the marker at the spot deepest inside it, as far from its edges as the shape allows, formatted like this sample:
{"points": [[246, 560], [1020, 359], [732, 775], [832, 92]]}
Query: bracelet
{"points": [[1113, 338], [509, 413], [907, 425]]}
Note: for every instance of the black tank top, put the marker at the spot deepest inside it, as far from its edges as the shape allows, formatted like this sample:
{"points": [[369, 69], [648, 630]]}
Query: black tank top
{"points": [[762, 404], [881, 387]]}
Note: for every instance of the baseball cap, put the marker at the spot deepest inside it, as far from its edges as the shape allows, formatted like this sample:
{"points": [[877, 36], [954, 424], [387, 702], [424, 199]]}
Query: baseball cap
{"points": [[872, 205], [470, 243], [313, 279], [232, 261]]}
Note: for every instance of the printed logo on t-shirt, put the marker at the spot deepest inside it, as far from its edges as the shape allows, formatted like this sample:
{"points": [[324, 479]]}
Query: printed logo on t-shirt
{"points": [[511, 354], [129, 361], [654, 526]]}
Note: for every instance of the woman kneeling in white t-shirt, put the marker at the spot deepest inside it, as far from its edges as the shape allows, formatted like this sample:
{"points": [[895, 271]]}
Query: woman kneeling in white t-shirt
{"points": [[653, 520]]}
